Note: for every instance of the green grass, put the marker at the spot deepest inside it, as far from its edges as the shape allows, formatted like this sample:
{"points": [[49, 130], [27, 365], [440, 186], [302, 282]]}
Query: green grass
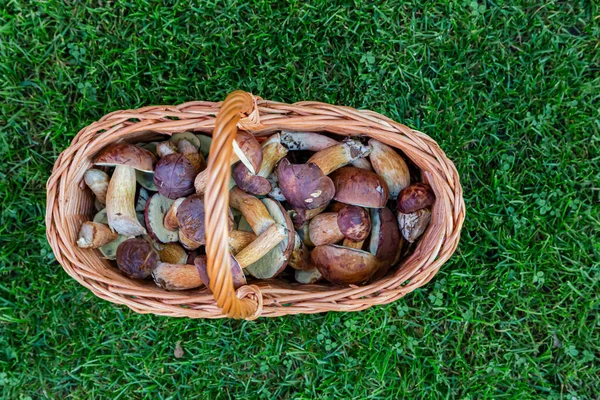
{"points": [[510, 90]]}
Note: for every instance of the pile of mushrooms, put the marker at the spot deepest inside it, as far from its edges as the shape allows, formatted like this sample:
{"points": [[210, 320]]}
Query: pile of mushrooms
{"points": [[345, 211]]}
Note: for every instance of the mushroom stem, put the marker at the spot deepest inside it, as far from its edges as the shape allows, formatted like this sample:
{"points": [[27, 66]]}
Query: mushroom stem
{"points": [[335, 157], [273, 151], [266, 241], [170, 221], [353, 245], [302, 216], [306, 141], [120, 202], [323, 229], [93, 235], [176, 276], [189, 151], [238, 240], [253, 210], [97, 181], [362, 163], [300, 257]]}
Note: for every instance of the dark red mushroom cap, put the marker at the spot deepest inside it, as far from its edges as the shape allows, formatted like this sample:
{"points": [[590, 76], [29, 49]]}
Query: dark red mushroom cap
{"points": [[136, 258], [354, 223], [360, 187], [415, 197], [174, 176], [304, 185]]}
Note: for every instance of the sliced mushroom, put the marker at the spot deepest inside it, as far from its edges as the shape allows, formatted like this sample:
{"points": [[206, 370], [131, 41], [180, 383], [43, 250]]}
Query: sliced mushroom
{"points": [[414, 224], [172, 253], [173, 277], [174, 176], [93, 235], [385, 239], [249, 147], [97, 181], [344, 266], [415, 197], [308, 277], [120, 196], [360, 187], [136, 258], [390, 166], [156, 210], [170, 222]]}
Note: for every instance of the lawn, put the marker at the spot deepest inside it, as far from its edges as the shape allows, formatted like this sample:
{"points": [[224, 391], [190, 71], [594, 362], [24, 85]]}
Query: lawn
{"points": [[511, 92]]}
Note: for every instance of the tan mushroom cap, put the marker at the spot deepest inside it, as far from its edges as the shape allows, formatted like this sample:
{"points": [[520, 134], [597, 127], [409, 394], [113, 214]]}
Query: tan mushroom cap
{"points": [[128, 155], [360, 187], [343, 266]]}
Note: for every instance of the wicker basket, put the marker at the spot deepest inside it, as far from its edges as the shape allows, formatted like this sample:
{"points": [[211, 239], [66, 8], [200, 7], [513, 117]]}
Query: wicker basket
{"points": [[69, 204]]}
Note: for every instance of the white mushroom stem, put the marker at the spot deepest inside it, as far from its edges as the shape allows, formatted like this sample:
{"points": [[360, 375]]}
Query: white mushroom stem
{"points": [[335, 157], [270, 238], [97, 181], [170, 222], [253, 210], [93, 235], [238, 240], [120, 202]]}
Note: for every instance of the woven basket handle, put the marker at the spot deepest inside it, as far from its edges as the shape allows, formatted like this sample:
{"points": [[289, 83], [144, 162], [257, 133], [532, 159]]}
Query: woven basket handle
{"points": [[216, 200]]}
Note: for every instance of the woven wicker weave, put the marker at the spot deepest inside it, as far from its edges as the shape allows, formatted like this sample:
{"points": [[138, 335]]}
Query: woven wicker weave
{"points": [[69, 204]]}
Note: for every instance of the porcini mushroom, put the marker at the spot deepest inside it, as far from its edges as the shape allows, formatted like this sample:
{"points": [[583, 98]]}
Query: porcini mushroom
{"points": [[390, 166], [136, 258], [174, 176], [173, 277], [189, 151], [166, 148], [350, 222], [300, 216], [275, 192], [190, 218], [170, 222], [187, 136], [120, 196], [323, 229], [97, 181], [413, 225], [172, 253], [247, 145], [415, 197], [300, 258], [343, 266], [109, 250], [238, 240], [335, 157], [93, 235], [360, 187], [385, 239], [304, 186], [154, 215]]}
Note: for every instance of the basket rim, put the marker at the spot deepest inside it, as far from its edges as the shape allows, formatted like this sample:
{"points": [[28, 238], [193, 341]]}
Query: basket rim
{"points": [[67, 199]]}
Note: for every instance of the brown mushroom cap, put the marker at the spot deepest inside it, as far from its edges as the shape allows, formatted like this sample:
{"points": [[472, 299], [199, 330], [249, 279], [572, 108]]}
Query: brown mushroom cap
{"points": [[390, 166], [136, 258], [239, 279], [174, 176], [248, 151], [304, 185], [128, 155], [385, 239], [190, 216], [323, 229], [248, 182], [344, 266], [354, 223], [415, 197], [360, 187], [414, 224]]}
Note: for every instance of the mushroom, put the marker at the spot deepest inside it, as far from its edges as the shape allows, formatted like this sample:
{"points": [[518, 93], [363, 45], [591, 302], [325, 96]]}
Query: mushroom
{"points": [[190, 217], [385, 239], [173, 277], [300, 257], [300, 217], [413, 225], [247, 145], [188, 243], [174, 176], [415, 197], [205, 142], [93, 235], [343, 266], [304, 235], [97, 181], [311, 141], [308, 277], [237, 273], [189, 151], [238, 240], [390, 166], [275, 192], [261, 215], [154, 215], [166, 148], [120, 196], [170, 222], [306, 186], [350, 222], [188, 137], [360, 187], [136, 258], [172, 253], [109, 250], [258, 183]]}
